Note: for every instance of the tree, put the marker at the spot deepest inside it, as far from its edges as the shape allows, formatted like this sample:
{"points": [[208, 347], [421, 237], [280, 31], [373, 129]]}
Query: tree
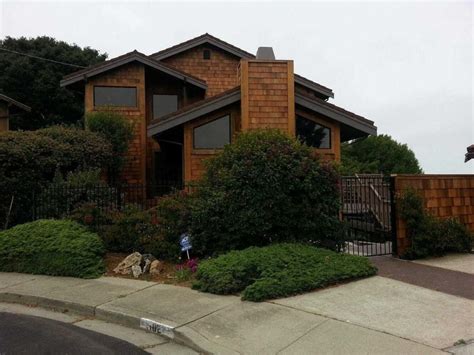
{"points": [[116, 129], [35, 82], [378, 155]]}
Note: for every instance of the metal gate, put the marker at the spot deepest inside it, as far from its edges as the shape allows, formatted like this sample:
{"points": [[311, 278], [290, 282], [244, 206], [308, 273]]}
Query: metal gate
{"points": [[367, 212]]}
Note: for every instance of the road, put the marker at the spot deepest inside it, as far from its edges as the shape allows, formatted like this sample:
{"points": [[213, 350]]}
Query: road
{"points": [[24, 334]]}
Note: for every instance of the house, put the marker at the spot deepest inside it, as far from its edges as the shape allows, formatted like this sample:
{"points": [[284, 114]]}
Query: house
{"points": [[189, 100], [9, 108]]}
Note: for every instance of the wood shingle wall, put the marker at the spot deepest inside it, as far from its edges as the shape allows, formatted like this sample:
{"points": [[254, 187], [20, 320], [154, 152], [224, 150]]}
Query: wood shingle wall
{"points": [[130, 75], [219, 72], [443, 195], [268, 95]]}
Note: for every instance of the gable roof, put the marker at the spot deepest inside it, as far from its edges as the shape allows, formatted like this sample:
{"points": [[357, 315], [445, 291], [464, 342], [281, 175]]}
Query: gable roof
{"points": [[15, 103], [238, 52], [128, 58], [193, 111]]}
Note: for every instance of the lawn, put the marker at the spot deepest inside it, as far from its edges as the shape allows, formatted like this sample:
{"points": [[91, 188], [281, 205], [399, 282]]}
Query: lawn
{"points": [[278, 270]]}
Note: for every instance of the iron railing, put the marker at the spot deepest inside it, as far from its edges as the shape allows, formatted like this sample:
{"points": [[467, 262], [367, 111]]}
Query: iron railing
{"points": [[366, 203]]}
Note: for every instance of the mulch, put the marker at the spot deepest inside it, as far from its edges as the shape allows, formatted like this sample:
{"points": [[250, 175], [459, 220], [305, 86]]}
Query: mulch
{"points": [[434, 278]]}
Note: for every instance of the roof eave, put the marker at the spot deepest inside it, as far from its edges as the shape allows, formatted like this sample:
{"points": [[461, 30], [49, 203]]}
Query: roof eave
{"points": [[341, 117], [134, 57], [306, 83], [194, 113]]}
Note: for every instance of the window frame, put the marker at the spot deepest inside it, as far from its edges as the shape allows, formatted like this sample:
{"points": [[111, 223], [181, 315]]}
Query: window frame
{"points": [[115, 106], [153, 105], [324, 125], [211, 150], [204, 51]]}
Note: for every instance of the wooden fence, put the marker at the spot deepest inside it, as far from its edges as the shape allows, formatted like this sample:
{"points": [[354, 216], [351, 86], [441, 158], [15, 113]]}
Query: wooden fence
{"points": [[443, 195]]}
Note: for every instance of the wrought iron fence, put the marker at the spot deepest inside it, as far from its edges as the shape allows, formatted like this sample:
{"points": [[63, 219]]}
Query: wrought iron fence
{"points": [[59, 201], [367, 210]]}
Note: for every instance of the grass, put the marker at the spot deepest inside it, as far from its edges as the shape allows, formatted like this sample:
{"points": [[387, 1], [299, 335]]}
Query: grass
{"points": [[278, 270], [52, 247]]}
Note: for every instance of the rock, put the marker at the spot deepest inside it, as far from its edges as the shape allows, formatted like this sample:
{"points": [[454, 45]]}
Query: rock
{"points": [[146, 267], [125, 266], [156, 267], [136, 271], [147, 259]]}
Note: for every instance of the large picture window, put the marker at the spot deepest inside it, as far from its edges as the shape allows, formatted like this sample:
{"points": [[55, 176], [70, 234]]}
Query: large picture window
{"points": [[212, 135], [164, 104], [115, 96], [312, 133]]}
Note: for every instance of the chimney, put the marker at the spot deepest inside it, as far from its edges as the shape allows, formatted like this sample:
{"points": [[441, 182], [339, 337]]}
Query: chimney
{"points": [[268, 92], [265, 53]]}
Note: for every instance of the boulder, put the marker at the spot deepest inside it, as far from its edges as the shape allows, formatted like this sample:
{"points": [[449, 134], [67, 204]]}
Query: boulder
{"points": [[147, 259], [125, 266], [156, 267], [136, 271]]}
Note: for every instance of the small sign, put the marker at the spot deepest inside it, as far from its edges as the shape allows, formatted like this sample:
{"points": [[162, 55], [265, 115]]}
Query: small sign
{"points": [[155, 327], [185, 242]]}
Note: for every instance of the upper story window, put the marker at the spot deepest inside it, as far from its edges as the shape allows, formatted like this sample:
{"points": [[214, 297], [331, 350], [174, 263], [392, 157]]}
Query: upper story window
{"points": [[164, 104], [213, 135], [206, 54], [312, 133], [115, 96]]}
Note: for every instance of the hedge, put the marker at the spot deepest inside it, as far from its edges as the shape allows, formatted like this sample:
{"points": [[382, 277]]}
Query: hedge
{"points": [[278, 270], [52, 247], [29, 161]]}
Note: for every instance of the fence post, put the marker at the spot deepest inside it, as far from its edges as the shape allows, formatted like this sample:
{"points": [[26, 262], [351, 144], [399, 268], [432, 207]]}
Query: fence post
{"points": [[393, 215]]}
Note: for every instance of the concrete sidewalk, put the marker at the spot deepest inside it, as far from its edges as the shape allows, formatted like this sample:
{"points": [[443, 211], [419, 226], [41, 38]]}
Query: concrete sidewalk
{"points": [[369, 316]]}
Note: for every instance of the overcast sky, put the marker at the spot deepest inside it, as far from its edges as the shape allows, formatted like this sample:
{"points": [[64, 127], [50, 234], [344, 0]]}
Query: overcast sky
{"points": [[408, 66]]}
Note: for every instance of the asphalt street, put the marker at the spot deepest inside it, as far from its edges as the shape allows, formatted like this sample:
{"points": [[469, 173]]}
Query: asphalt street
{"points": [[23, 334]]}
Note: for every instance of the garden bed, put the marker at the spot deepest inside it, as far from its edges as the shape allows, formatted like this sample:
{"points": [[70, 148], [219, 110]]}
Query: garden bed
{"points": [[168, 275]]}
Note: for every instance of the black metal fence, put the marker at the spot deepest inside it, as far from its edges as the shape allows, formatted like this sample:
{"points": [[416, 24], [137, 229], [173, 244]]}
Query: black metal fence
{"points": [[58, 201], [367, 211]]}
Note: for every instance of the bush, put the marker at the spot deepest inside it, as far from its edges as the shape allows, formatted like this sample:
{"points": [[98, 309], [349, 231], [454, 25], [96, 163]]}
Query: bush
{"points": [[63, 198], [29, 160], [52, 247], [279, 270], [155, 231], [430, 236], [118, 130], [266, 187], [171, 216], [127, 229]]}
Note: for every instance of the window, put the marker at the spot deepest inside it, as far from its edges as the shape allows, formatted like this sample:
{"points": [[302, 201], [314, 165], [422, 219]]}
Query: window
{"points": [[212, 135], [115, 96], [206, 54], [164, 104], [312, 133]]}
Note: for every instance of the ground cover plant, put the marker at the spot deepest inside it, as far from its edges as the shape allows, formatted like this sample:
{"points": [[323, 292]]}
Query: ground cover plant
{"points": [[431, 236], [52, 247], [278, 270]]}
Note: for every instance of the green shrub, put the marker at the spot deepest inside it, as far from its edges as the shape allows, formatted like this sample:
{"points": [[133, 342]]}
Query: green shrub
{"points": [[278, 270], [127, 229], [171, 217], [428, 235], [29, 160], [51, 247], [118, 130], [264, 188], [155, 231]]}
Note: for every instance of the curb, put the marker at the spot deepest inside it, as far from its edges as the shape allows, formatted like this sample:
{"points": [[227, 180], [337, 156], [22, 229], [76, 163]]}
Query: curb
{"points": [[119, 318]]}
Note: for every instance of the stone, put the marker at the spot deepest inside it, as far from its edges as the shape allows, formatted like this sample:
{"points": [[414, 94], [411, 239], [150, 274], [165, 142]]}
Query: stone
{"points": [[156, 267], [136, 271], [125, 266], [147, 259]]}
